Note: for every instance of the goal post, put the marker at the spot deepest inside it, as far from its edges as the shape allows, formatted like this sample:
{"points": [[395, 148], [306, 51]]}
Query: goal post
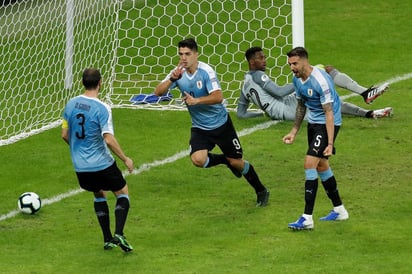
{"points": [[45, 46], [298, 29]]}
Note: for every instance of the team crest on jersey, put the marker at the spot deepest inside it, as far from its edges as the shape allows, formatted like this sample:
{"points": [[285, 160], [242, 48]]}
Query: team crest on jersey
{"points": [[310, 92], [199, 84]]}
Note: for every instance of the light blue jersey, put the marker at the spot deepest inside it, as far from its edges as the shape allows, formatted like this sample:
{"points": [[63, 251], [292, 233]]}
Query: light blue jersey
{"points": [[88, 119], [317, 90], [203, 82]]}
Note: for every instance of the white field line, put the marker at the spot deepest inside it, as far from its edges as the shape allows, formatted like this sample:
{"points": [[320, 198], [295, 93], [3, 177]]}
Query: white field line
{"points": [[142, 168], [185, 153], [179, 155], [390, 81]]}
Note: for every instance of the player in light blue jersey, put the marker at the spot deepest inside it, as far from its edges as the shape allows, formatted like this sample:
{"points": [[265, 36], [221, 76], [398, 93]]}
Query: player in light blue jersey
{"points": [[211, 123], [88, 130], [315, 91], [279, 102]]}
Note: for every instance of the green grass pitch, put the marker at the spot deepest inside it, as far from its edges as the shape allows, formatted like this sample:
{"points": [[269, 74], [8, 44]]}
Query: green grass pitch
{"points": [[189, 220]]}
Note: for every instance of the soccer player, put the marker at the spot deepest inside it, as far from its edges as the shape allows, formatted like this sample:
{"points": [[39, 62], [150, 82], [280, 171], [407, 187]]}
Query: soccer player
{"points": [[315, 91], [279, 103], [211, 123], [88, 130]]}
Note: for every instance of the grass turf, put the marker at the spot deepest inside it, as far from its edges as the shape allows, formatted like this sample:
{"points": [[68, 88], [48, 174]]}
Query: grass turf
{"points": [[189, 220]]}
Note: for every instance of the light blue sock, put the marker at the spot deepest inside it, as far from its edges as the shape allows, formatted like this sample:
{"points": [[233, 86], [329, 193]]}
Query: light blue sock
{"points": [[325, 175], [311, 174], [123, 196], [206, 163], [246, 168], [99, 200]]}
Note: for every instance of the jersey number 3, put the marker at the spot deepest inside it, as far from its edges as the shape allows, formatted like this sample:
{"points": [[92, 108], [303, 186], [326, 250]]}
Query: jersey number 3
{"points": [[81, 134]]}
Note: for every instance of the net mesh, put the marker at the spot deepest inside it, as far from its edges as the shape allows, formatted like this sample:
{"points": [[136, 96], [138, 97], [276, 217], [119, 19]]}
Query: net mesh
{"points": [[150, 30], [45, 46], [33, 59]]}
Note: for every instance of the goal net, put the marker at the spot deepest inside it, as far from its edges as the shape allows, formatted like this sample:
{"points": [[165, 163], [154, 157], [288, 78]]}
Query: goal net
{"points": [[150, 30], [45, 46]]}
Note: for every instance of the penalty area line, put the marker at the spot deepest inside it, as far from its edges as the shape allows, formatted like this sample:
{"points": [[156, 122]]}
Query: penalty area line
{"points": [[142, 168]]}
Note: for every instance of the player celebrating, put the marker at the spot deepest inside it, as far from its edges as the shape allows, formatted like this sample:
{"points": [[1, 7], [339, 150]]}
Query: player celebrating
{"points": [[315, 91], [211, 123], [279, 103], [88, 129]]}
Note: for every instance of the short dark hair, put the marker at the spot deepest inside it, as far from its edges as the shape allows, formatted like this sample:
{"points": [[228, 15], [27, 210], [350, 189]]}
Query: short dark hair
{"points": [[298, 51], [250, 53], [188, 43], [91, 78]]}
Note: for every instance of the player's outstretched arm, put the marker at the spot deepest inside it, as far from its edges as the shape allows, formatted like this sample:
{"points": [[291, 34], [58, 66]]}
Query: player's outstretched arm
{"points": [[114, 146], [278, 91]]}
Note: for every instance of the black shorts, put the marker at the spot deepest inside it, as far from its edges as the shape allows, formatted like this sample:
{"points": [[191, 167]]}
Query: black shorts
{"points": [[110, 178], [225, 137], [318, 140]]}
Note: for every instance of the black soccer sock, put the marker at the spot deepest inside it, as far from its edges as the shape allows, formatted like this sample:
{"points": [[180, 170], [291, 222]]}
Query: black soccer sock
{"points": [[102, 212], [311, 188], [216, 159], [121, 211], [331, 189], [252, 178], [369, 114]]}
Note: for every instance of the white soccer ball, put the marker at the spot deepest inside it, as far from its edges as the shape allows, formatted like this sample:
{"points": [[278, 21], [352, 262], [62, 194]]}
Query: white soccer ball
{"points": [[29, 202]]}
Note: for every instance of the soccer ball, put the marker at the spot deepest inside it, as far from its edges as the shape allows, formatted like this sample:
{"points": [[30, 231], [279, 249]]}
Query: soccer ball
{"points": [[29, 203]]}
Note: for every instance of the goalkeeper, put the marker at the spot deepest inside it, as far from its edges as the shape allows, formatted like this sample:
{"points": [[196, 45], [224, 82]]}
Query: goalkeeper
{"points": [[279, 102]]}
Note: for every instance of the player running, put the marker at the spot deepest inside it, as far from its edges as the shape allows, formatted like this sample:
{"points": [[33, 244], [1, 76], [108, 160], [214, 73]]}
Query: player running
{"points": [[211, 123]]}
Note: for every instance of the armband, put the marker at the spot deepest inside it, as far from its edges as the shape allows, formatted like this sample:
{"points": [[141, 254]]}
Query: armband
{"points": [[65, 124]]}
